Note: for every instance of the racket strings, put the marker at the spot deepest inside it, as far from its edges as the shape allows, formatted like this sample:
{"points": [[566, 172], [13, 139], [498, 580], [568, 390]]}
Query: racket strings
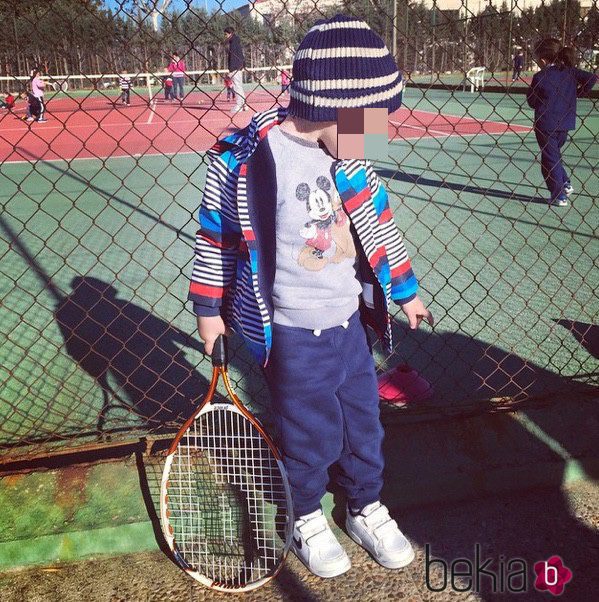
{"points": [[227, 500]]}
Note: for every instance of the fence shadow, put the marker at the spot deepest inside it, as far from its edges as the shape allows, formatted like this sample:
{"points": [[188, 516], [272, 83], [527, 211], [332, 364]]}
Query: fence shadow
{"points": [[117, 341], [465, 461], [421, 180], [586, 334]]}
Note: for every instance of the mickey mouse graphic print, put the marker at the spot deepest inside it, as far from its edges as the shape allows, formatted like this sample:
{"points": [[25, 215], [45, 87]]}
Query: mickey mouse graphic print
{"points": [[316, 284], [326, 235]]}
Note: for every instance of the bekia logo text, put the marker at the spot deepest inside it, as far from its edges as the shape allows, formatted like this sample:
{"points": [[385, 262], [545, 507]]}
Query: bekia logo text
{"points": [[499, 576]]}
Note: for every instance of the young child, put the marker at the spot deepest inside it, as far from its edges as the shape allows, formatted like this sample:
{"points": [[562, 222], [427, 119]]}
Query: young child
{"points": [[552, 95], [285, 81], [37, 90], [296, 250], [8, 102], [34, 107], [229, 86], [168, 88], [125, 85]]}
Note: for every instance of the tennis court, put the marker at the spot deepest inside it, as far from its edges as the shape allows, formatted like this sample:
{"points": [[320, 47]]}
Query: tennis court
{"points": [[97, 233], [95, 124]]}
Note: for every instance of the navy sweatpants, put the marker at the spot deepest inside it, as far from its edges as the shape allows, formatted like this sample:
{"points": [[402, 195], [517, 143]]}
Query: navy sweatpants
{"points": [[553, 171], [325, 399]]}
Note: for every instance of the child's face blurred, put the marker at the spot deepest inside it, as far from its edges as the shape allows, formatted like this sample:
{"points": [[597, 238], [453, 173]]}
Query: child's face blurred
{"points": [[357, 134]]}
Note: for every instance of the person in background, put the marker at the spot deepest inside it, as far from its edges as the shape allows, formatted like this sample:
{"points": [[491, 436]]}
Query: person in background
{"points": [[518, 65], [33, 106], [229, 87], [552, 95], [8, 102], [37, 89], [177, 69], [285, 81], [168, 88], [125, 85], [235, 64]]}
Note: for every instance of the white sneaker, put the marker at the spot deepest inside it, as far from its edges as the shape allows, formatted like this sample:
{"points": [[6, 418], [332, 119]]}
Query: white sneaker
{"points": [[568, 189], [379, 534], [317, 547], [560, 201]]}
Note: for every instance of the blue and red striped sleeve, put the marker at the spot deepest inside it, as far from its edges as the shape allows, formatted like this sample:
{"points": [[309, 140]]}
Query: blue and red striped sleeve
{"points": [[217, 240]]}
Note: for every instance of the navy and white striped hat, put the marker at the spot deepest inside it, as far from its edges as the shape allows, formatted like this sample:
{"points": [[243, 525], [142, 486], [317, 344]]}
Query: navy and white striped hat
{"points": [[342, 63]]}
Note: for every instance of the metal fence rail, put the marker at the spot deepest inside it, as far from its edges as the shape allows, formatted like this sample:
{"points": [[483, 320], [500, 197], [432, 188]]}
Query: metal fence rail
{"points": [[99, 210]]}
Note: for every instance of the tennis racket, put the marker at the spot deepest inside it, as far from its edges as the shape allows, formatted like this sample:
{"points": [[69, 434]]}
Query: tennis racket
{"points": [[225, 502]]}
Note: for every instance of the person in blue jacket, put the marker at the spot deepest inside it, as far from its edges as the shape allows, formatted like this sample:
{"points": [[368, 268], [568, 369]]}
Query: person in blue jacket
{"points": [[518, 65], [552, 95]]}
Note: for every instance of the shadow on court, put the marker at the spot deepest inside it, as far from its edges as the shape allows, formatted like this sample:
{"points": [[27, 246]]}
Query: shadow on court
{"points": [[136, 358], [586, 334], [485, 462], [421, 180]]}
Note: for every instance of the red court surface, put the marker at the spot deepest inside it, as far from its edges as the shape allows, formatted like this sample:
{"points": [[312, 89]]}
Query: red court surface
{"points": [[93, 126]]}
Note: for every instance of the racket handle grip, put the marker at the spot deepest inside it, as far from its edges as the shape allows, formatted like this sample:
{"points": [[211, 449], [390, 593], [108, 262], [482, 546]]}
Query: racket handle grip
{"points": [[219, 351]]}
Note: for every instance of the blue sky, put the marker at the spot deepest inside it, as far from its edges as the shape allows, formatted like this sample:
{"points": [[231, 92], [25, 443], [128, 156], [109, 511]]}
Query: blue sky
{"points": [[226, 5]]}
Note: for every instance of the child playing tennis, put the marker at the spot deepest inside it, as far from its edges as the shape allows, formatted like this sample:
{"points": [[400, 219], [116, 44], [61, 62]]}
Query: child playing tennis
{"points": [[552, 95], [296, 250], [125, 86], [34, 107], [37, 90]]}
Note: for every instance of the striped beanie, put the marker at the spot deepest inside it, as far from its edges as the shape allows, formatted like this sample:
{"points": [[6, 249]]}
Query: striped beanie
{"points": [[342, 63]]}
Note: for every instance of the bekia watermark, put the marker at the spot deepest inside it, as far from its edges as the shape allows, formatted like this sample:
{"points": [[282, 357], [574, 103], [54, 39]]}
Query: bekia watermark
{"points": [[552, 575], [499, 575]]}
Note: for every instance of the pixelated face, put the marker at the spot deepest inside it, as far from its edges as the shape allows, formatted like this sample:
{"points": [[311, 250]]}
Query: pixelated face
{"points": [[362, 134]]}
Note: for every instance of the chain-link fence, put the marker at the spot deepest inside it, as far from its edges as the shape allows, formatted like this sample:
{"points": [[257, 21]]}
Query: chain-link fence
{"points": [[100, 199]]}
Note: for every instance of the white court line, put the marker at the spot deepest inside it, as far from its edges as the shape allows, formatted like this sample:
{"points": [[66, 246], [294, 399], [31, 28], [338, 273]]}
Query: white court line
{"points": [[424, 128], [101, 125], [460, 136], [103, 159], [456, 133], [152, 111], [461, 117], [182, 153]]}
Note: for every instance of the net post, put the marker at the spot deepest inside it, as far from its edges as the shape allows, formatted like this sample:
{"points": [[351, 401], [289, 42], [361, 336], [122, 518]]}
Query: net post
{"points": [[149, 85]]}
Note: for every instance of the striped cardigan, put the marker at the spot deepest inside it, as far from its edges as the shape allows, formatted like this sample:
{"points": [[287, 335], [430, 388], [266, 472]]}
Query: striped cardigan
{"points": [[233, 270]]}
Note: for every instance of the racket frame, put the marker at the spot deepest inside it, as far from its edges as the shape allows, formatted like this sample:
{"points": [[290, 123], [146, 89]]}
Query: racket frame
{"points": [[231, 404]]}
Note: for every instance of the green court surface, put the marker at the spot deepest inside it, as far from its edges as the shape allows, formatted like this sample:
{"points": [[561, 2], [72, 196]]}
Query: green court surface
{"points": [[505, 275]]}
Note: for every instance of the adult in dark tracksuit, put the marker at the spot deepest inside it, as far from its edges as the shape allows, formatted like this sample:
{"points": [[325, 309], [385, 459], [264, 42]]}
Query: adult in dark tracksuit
{"points": [[518, 65], [552, 95], [235, 64]]}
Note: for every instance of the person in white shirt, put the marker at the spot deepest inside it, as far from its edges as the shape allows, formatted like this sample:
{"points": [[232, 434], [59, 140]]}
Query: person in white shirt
{"points": [[125, 85]]}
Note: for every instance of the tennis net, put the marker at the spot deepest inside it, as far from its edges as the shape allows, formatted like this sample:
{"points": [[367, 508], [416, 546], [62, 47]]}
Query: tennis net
{"points": [[145, 84]]}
